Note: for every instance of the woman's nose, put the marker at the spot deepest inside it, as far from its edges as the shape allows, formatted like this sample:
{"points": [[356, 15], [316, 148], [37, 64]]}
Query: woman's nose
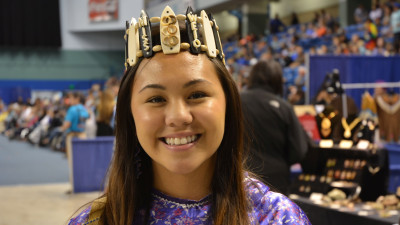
{"points": [[178, 114]]}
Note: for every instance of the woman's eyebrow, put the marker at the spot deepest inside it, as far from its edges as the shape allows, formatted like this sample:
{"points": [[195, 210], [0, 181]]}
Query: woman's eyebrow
{"points": [[156, 86], [197, 81], [188, 84]]}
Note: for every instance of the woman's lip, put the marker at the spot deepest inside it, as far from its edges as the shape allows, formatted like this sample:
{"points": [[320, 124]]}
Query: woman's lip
{"points": [[184, 147]]}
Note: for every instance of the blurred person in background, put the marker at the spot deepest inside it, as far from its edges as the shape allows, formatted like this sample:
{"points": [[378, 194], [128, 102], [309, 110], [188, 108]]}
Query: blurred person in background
{"points": [[74, 125], [25, 121], [276, 25], [294, 19], [2, 105], [10, 121], [376, 14], [112, 84], [310, 31], [380, 48], [300, 80], [316, 18], [360, 14], [395, 26], [92, 99], [41, 129], [335, 47], [330, 23], [74, 121], [56, 115], [321, 29], [277, 139], [104, 112], [275, 44], [296, 95], [389, 49], [323, 50], [385, 28], [371, 34], [3, 115]]}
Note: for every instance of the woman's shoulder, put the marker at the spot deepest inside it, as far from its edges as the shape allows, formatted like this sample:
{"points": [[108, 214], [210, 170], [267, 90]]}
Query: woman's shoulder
{"points": [[81, 218], [269, 206], [91, 214]]}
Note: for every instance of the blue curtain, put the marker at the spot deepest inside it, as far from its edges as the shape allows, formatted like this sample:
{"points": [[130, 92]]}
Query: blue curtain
{"points": [[354, 69]]}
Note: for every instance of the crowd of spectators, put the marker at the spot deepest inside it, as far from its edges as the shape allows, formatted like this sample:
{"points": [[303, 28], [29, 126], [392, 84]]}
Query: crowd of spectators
{"points": [[47, 121], [375, 33]]}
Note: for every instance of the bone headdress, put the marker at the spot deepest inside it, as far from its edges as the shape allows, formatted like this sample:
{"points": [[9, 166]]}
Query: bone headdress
{"points": [[201, 35]]}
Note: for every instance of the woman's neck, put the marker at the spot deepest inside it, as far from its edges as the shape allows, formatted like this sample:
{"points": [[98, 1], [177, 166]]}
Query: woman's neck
{"points": [[194, 186]]}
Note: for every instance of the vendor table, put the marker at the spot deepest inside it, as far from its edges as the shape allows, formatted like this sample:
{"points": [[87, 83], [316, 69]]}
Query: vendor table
{"points": [[323, 215], [373, 177]]}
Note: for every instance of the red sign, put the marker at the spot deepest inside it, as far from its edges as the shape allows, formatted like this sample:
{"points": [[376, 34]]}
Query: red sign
{"points": [[103, 10], [310, 126]]}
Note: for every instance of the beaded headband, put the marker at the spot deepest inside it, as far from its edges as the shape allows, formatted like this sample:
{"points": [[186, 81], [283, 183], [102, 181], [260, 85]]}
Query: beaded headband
{"points": [[202, 33]]}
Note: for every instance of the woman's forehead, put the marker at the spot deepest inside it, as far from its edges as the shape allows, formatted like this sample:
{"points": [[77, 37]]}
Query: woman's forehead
{"points": [[182, 59], [170, 67]]}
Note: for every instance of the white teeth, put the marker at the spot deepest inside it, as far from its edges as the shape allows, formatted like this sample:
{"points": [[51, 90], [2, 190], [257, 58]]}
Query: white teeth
{"points": [[181, 141], [177, 141]]}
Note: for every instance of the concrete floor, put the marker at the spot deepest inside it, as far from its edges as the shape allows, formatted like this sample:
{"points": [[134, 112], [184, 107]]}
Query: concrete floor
{"points": [[45, 204], [23, 163], [34, 185]]}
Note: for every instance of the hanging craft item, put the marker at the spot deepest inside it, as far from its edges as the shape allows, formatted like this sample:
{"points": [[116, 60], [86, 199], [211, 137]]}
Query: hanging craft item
{"points": [[368, 102], [349, 127], [388, 106], [326, 123]]}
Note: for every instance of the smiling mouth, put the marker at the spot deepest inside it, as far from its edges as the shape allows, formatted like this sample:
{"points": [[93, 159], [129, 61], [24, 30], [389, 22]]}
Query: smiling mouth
{"points": [[181, 141]]}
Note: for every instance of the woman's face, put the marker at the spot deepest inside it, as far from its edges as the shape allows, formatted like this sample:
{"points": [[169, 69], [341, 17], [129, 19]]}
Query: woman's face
{"points": [[178, 106]]}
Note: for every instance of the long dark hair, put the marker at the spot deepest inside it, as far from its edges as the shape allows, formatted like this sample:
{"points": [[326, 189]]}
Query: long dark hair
{"points": [[267, 74], [129, 191]]}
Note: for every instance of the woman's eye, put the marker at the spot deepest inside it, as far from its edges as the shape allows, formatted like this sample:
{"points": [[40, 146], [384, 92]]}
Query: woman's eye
{"points": [[197, 95], [156, 100]]}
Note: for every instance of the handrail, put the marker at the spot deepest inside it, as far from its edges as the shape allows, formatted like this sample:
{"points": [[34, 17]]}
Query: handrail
{"points": [[370, 85]]}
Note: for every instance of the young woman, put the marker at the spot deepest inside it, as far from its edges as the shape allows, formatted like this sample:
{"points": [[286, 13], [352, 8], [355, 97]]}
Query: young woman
{"points": [[179, 145]]}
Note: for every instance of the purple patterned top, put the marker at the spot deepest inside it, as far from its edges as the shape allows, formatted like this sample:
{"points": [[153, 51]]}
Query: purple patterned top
{"points": [[267, 208]]}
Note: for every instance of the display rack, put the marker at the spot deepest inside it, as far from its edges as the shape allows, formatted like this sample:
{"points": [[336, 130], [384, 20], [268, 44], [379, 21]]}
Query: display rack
{"points": [[364, 86], [323, 166]]}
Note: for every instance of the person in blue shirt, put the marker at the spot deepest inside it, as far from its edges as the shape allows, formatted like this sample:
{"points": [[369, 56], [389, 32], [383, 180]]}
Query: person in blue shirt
{"points": [[276, 24], [73, 125], [74, 120]]}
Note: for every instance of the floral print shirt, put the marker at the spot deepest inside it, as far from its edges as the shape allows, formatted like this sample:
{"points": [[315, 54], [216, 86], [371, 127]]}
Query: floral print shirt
{"points": [[268, 207]]}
